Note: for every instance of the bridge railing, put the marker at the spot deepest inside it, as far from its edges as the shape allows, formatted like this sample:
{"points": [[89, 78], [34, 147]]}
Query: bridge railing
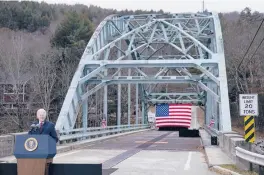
{"points": [[211, 131], [81, 134], [7, 142], [249, 156]]}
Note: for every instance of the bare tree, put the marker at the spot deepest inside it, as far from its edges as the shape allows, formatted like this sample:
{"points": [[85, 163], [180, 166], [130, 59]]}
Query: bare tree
{"points": [[15, 73], [244, 69], [45, 79]]}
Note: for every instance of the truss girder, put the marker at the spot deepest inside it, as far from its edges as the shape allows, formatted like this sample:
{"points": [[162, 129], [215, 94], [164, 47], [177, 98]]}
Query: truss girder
{"points": [[153, 49], [151, 63], [175, 98]]}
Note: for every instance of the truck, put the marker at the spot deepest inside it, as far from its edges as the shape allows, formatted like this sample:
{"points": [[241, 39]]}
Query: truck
{"points": [[181, 117]]}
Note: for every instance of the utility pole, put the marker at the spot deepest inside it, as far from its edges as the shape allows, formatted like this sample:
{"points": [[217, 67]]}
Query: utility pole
{"points": [[203, 5]]}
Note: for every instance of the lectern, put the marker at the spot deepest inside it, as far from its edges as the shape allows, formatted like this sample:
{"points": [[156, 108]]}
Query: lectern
{"points": [[34, 153]]}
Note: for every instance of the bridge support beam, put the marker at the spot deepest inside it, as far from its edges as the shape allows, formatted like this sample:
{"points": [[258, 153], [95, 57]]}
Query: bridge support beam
{"points": [[129, 100], [85, 114], [119, 92], [105, 102], [143, 112], [84, 108], [137, 103], [119, 105], [224, 108]]}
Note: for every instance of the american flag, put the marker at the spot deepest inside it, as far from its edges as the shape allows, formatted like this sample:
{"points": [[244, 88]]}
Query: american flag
{"points": [[178, 115]]}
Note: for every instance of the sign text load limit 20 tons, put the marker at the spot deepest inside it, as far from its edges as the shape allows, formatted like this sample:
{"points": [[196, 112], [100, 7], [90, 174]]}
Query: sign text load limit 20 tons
{"points": [[248, 104]]}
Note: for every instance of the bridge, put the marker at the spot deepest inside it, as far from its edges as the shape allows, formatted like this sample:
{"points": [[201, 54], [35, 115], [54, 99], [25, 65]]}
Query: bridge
{"points": [[147, 59], [148, 51]]}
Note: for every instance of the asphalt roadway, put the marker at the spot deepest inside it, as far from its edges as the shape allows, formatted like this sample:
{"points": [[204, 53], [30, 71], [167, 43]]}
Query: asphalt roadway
{"points": [[144, 153]]}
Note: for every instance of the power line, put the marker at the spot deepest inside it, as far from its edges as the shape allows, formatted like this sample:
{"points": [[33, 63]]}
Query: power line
{"points": [[250, 44], [256, 50], [203, 5]]}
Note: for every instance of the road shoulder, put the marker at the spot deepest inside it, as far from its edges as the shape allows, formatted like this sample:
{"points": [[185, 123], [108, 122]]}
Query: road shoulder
{"points": [[215, 157]]}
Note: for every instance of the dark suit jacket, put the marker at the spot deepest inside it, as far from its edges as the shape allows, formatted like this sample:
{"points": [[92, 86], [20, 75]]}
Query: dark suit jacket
{"points": [[48, 128]]}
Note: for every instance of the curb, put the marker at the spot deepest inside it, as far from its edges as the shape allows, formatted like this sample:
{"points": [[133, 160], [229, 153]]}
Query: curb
{"points": [[79, 145], [223, 171], [203, 146], [216, 168]]}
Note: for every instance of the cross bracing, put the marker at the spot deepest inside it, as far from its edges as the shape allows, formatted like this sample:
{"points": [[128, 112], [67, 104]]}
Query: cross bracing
{"points": [[175, 97], [152, 52]]}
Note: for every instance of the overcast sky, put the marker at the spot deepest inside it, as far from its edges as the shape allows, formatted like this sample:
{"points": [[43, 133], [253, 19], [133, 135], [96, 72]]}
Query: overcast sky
{"points": [[172, 5]]}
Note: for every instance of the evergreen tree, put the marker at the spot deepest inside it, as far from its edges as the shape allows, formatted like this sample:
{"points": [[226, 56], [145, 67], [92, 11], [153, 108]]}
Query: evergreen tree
{"points": [[75, 30], [26, 15]]}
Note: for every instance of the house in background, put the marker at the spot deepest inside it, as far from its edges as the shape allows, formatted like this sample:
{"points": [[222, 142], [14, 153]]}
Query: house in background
{"points": [[16, 95]]}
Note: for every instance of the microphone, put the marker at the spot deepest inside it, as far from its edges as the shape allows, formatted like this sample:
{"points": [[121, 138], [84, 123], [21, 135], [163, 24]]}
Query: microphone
{"points": [[32, 126], [34, 129], [37, 126]]}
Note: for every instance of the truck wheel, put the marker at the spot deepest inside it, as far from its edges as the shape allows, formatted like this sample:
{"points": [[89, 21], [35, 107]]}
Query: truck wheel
{"points": [[183, 132], [189, 133]]}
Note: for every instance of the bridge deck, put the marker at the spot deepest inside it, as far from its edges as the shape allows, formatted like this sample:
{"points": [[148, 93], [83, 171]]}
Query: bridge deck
{"points": [[152, 152]]}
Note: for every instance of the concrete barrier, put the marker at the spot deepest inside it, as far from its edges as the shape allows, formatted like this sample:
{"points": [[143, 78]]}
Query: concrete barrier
{"points": [[234, 142], [227, 146], [221, 138], [6, 145], [228, 142]]}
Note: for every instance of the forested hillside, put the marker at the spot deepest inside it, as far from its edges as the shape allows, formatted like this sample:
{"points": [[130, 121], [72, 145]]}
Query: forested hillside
{"points": [[40, 48], [244, 59], [41, 45]]}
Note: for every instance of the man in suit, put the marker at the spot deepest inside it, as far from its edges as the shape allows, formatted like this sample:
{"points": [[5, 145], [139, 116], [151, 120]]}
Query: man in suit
{"points": [[45, 127]]}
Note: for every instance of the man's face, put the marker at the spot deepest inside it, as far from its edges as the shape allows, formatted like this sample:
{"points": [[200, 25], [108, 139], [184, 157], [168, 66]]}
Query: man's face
{"points": [[41, 116]]}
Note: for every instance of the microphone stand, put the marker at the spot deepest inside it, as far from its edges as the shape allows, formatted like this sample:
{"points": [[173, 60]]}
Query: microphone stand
{"points": [[34, 129]]}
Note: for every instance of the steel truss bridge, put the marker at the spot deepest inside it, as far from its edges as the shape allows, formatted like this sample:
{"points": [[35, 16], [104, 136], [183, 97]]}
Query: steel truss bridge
{"points": [[150, 59]]}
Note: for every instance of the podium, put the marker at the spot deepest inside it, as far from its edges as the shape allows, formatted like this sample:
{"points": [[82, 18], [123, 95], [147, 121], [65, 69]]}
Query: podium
{"points": [[34, 154]]}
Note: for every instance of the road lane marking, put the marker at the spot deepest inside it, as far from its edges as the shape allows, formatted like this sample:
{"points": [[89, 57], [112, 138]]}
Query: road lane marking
{"points": [[150, 142], [72, 152], [89, 145], [69, 153], [187, 164], [66, 154], [131, 152]]}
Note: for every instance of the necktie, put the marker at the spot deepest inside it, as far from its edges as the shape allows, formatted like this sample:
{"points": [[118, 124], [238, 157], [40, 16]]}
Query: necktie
{"points": [[40, 128]]}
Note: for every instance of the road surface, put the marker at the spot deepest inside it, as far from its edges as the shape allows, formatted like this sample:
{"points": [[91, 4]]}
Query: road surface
{"points": [[144, 153]]}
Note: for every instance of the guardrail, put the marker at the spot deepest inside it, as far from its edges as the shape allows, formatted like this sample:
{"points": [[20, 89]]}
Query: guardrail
{"points": [[250, 156], [81, 134]]}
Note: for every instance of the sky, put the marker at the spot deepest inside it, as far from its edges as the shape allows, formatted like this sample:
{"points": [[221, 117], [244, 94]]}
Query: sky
{"points": [[173, 6]]}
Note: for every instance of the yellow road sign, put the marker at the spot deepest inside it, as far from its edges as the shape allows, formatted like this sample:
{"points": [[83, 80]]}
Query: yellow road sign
{"points": [[249, 129]]}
